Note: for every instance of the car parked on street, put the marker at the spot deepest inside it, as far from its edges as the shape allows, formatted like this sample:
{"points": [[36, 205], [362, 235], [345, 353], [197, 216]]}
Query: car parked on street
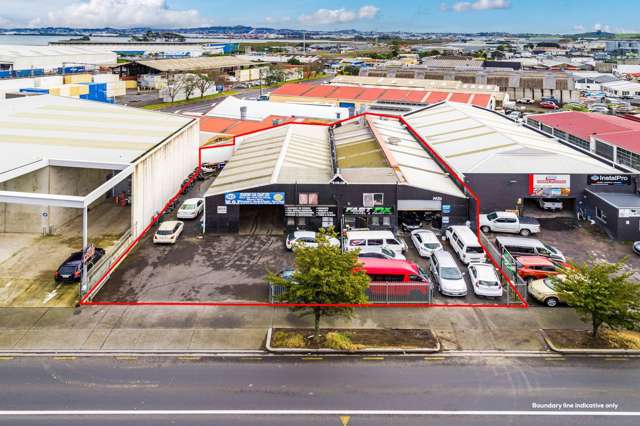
{"points": [[447, 275], [544, 291], [168, 232], [71, 269], [191, 208], [531, 268], [306, 239], [484, 280], [426, 242], [548, 105], [509, 222]]}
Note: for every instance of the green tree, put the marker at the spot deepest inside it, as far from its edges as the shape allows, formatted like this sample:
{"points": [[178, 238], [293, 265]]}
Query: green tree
{"points": [[273, 75], [601, 292], [323, 275], [432, 52], [204, 81], [351, 70], [294, 61]]}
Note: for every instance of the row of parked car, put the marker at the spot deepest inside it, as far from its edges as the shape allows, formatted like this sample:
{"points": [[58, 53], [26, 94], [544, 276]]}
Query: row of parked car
{"points": [[169, 231]]}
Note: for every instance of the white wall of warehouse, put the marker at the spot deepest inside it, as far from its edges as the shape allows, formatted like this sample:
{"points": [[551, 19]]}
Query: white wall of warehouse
{"points": [[159, 174]]}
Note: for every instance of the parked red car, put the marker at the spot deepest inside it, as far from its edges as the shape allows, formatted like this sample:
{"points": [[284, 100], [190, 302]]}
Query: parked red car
{"points": [[548, 105], [532, 268]]}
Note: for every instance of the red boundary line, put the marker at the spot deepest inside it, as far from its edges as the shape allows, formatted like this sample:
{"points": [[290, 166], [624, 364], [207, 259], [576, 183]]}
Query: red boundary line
{"points": [[85, 301]]}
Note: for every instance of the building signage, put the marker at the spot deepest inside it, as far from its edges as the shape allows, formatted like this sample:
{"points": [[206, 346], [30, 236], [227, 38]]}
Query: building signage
{"points": [[608, 180], [549, 185], [254, 198], [446, 208], [445, 219], [629, 213], [368, 211], [310, 211], [222, 209]]}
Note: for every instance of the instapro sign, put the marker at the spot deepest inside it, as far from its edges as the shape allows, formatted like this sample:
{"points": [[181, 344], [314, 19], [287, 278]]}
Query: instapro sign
{"points": [[608, 180]]}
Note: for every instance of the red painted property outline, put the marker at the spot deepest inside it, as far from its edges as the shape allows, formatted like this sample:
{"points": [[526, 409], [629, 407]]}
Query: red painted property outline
{"points": [[85, 300]]}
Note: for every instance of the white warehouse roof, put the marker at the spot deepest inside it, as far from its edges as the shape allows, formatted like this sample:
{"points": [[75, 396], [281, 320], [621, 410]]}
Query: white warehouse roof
{"points": [[294, 153], [26, 57], [475, 140], [54, 127], [259, 110]]}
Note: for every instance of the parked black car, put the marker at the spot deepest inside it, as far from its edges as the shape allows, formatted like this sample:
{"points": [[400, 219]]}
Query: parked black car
{"points": [[71, 269]]}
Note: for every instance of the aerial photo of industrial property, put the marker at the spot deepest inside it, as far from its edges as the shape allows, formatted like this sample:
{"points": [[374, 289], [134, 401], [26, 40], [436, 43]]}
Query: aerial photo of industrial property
{"points": [[328, 213]]}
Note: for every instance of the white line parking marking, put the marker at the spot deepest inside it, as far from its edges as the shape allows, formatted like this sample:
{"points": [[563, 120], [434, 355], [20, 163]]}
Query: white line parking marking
{"points": [[7, 413]]}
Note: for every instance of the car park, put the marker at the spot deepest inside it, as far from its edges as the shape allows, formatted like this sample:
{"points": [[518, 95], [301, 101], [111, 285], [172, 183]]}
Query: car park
{"points": [[520, 246], [447, 275], [544, 290], [484, 280], [531, 268], [549, 204], [168, 232], [71, 269], [381, 253], [191, 208], [365, 240], [508, 222], [600, 109], [465, 243], [426, 242], [306, 239]]}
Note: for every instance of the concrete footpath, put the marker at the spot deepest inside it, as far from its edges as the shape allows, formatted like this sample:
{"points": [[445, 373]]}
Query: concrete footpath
{"points": [[244, 328]]}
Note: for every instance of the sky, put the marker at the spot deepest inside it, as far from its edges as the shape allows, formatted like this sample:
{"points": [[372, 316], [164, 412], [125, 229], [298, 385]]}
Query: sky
{"points": [[541, 16]]}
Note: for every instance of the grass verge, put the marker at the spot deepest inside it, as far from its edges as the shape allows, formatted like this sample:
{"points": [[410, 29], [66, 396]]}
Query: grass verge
{"points": [[353, 339], [607, 339]]}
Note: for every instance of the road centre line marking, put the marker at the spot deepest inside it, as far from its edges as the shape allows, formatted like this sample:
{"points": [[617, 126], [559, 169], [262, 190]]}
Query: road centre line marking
{"points": [[312, 358], [64, 358], [6, 358], [7, 413], [126, 358], [373, 358], [615, 359]]}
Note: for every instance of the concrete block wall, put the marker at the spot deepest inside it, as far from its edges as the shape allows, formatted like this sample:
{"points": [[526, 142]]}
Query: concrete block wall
{"points": [[23, 217]]}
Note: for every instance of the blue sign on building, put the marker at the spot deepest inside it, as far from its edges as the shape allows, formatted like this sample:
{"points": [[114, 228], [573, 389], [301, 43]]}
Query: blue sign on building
{"points": [[254, 198], [446, 208]]}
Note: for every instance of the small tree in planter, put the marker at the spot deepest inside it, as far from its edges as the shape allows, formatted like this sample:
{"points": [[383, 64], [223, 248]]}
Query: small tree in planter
{"points": [[323, 275], [602, 293]]}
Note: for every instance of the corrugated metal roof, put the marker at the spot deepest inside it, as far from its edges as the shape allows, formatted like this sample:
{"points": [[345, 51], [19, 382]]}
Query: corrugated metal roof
{"points": [[293, 153], [475, 140], [55, 127], [192, 64], [415, 83]]}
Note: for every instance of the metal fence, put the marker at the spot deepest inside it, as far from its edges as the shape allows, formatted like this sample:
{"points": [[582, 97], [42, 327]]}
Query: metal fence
{"points": [[509, 266], [105, 263], [380, 292]]}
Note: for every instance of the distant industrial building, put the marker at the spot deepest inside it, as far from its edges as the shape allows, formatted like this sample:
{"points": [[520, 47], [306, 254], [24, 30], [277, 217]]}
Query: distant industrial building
{"points": [[50, 58], [226, 65], [615, 140], [515, 83]]}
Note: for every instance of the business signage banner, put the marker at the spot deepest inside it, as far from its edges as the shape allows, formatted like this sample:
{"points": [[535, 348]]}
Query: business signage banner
{"points": [[608, 180], [310, 211], [549, 185], [367, 211], [254, 198]]}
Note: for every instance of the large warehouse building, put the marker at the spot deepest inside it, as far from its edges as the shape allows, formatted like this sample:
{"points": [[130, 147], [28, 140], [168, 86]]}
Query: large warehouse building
{"points": [[48, 58], [361, 173], [67, 159]]}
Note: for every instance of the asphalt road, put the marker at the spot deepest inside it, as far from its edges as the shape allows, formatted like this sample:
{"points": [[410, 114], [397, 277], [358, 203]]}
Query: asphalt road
{"points": [[502, 389]]}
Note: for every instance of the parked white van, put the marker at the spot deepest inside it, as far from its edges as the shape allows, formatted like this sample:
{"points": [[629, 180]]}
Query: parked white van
{"points": [[518, 246], [465, 243], [371, 240]]}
